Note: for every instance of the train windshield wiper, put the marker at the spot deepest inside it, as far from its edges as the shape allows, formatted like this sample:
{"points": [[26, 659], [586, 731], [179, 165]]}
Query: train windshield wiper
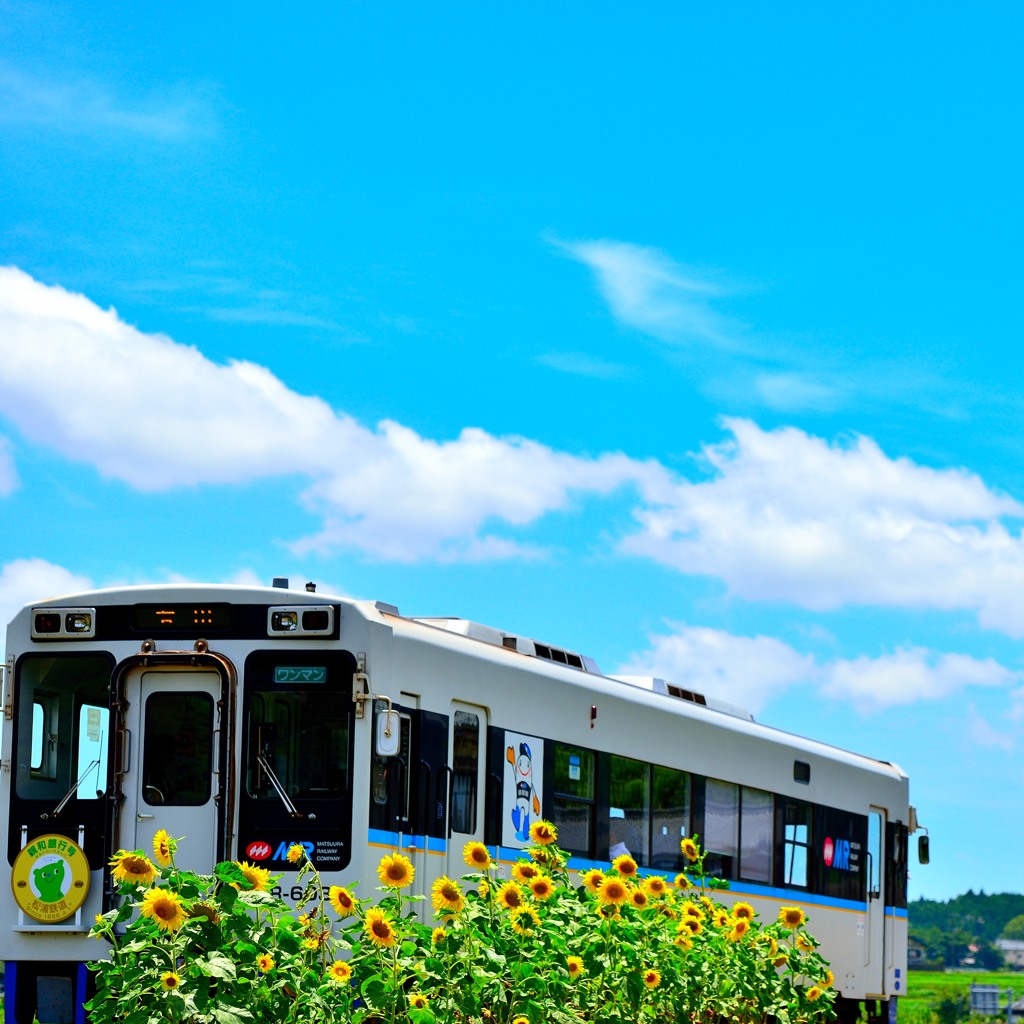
{"points": [[55, 813], [278, 788]]}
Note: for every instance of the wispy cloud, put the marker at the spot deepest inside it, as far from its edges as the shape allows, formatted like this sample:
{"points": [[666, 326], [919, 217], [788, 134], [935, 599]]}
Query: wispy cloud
{"points": [[647, 290], [580, 364], [83, 106]]}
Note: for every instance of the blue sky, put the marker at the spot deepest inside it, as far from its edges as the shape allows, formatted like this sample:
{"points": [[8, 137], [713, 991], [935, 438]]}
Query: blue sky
{"points": [[685, 338]]}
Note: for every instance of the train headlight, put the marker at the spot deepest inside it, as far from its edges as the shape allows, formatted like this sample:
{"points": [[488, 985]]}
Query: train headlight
{"points": [[301, 620], [63, 623]]}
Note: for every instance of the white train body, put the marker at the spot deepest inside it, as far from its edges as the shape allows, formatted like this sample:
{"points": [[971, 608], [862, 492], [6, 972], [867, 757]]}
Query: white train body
{"points": [[248, 718]]}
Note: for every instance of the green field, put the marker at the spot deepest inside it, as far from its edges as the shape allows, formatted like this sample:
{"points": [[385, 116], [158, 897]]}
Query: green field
{"points": [[927, 989]]}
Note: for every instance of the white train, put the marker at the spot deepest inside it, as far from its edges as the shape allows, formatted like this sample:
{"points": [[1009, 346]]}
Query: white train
{"points": [[251, 718]]}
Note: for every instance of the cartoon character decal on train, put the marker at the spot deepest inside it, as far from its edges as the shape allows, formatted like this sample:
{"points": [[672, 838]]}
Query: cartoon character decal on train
{"points": [[522, 791]]}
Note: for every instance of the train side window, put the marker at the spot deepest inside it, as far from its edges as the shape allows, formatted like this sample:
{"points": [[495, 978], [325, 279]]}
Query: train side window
{"points": [[572, 799], [721, 827], [465, 768], [670, 817], [93, 729], [796, 843], [629, 824], [41, 736], [756, 831]]}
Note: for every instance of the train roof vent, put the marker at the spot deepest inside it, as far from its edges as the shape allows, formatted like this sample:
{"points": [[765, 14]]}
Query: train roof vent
{"points": [[511, 642], [656, 685]]}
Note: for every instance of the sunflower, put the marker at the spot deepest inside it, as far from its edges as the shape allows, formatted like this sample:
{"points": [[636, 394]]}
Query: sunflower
{"points": [[523, 871], [520, 1020], [207, 910], [132, 867], [740, 927], [683, 941], [265, 962], [169, 981], [708, 904], [342, 900], [311, 942], [164, 908], [542, 887], [163, 848], [682, 882], [575, 966], [625, 865], [543, 833], [689, 848], [780, 961], [525, 920], [484, 888], [804, 944], [395, 872], [295, 853], [592, 879], [438, 935], [743, 911], [510, 896], [638, 898], [792, 917], [720, 918], [829, 980], [339, 972], [692, 925], [652, 979], [545, 857], [418, 1001], [256, 877], [379, 929], [613, 892], [447, 896], [690, 909], [655, 886], [813, 994], [476, 856]]}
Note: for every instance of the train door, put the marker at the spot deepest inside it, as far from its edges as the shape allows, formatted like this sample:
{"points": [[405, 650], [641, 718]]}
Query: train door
{"points": [[170, 757], [874, 952], [467, 782]]}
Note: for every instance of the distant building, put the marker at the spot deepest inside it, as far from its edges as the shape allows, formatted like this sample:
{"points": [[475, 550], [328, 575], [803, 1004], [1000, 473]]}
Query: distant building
{"points": [[916, 953], [1012, 950]]}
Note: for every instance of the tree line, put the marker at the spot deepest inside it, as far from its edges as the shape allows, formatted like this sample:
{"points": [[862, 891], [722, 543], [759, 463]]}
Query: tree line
{"points": [[963, 931]]}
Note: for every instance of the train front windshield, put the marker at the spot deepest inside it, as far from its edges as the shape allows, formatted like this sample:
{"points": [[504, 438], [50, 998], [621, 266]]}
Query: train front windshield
{"points": [[61, 744]]}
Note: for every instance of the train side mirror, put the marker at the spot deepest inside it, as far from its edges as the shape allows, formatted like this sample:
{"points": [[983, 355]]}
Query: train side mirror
{"points": [[389, 733], [922, 849]]}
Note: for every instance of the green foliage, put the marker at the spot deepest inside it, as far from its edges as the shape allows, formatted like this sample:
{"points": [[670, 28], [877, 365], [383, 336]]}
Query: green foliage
{"points": [[1014, 928], [610, 948]]}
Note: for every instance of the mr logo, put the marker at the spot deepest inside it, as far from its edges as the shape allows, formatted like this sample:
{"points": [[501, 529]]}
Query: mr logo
{"points": [[281, 853], [837, 854]]}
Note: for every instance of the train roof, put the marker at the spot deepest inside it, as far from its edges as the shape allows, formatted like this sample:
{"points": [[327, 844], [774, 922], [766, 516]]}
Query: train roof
{"points": [[489, 643]]}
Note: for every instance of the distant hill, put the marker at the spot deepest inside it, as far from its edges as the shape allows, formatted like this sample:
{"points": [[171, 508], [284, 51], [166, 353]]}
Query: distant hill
{"points": [[981, 916]]}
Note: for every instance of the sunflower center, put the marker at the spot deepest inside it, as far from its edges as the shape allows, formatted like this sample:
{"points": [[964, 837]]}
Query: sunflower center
{"points": [[381, 929]]}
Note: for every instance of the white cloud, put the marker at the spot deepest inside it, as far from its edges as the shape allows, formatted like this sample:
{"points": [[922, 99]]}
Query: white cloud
{"points": [[647, 290], [8, 473], [981, 733], [748, 671], [789, 517], [156, 415], [910, 675], [753, 671], [34, 579]]}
